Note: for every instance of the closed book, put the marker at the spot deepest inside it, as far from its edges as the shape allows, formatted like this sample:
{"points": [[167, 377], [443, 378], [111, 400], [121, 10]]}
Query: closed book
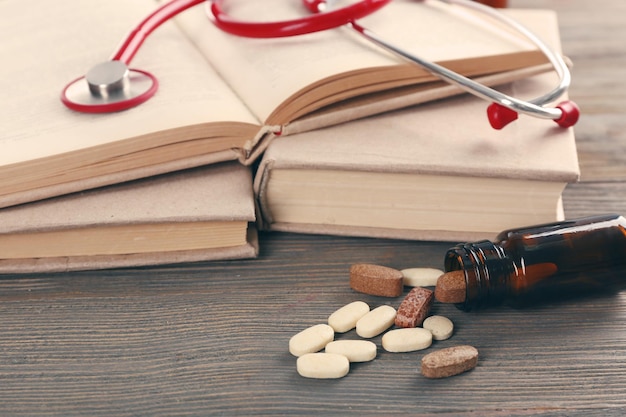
{"points": [[200, 214], [433, 172]]}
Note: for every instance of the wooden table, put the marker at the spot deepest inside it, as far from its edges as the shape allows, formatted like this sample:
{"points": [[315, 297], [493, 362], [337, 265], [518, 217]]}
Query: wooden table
{"points": [[211, 338]]}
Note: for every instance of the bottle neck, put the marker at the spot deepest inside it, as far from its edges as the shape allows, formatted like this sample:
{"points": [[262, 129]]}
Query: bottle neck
{"points": [[487, 269]]}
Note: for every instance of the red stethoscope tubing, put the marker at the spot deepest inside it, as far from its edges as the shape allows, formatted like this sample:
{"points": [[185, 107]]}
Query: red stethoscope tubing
{"points": [[316, 22], [130, 45]]}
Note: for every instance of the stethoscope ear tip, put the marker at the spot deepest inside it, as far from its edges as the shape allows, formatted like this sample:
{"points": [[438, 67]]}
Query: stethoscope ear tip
{"points": [[570, 113], [499, 116]]}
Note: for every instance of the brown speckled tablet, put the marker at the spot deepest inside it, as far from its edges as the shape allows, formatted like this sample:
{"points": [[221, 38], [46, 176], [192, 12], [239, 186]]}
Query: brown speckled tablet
{"points": [[450, 361], [376, 280], [414, 308], [451, 287]]}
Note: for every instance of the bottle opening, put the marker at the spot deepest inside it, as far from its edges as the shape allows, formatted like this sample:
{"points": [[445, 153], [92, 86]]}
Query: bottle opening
{"points": [[486, 272]]}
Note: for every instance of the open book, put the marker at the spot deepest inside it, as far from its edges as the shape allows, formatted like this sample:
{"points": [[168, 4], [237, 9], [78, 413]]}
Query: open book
{"points": [[221, 97], [199, 214], [434, 173]]}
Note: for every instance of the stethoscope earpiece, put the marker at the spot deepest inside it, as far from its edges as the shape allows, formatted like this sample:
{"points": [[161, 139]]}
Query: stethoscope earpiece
{"points": [[109, 87]]}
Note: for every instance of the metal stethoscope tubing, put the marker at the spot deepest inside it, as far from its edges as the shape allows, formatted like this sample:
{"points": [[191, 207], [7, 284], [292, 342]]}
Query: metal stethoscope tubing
{"points": [[565, 114]]}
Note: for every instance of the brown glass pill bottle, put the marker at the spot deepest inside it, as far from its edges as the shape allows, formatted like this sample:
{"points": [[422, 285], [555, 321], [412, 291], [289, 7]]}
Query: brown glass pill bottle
{"points": [[543, 263]]}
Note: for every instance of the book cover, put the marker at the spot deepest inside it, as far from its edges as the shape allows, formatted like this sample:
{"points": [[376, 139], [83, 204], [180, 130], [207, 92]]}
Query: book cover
{"points": [[194, 215]]}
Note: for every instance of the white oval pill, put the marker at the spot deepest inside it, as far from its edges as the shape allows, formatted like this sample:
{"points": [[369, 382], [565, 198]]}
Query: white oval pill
{"points": [[421, 277], [441, 327], [354, 350], [376, 321], [407, 340], [346, 317], [312, 339], [323, 365]]}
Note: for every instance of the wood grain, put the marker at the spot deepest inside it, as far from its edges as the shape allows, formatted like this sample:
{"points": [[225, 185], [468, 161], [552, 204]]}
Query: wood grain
{"points": [[211, 338]]}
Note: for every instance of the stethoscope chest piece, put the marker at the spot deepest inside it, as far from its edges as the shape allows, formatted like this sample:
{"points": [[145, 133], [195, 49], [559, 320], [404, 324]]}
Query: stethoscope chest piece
{"points": [[108, 87]]}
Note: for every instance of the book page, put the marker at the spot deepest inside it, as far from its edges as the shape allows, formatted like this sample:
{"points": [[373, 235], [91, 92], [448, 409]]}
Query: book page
{"points": [[265, 72], [47, 44]]}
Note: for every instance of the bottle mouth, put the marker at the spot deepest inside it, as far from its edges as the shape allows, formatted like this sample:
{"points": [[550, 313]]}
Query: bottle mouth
{"points": [[486, 272]]}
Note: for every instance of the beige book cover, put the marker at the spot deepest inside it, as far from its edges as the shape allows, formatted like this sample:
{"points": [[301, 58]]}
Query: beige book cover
{"points": [[221, 97], [199, 214]]}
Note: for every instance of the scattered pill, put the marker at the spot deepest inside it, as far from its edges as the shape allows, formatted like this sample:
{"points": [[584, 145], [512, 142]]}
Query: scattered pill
{"points": [[451, 287], [346, 317], [441, 327], [376, 321], [323, 365], [421, 277], [376, 280], [407, 340], [450, 361], [312, 339], [414, 308], [354, 350]]}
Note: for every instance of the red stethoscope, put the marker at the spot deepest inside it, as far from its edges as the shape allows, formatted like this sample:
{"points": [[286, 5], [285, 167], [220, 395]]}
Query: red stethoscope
{"points": [[112, 86]]}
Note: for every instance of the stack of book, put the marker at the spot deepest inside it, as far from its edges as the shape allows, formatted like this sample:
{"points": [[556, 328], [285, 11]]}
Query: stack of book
{"points": [[344, 137]]}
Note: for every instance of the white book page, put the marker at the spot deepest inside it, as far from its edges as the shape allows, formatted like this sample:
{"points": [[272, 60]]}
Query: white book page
{"points": [[46, 44], [264, 72]]}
